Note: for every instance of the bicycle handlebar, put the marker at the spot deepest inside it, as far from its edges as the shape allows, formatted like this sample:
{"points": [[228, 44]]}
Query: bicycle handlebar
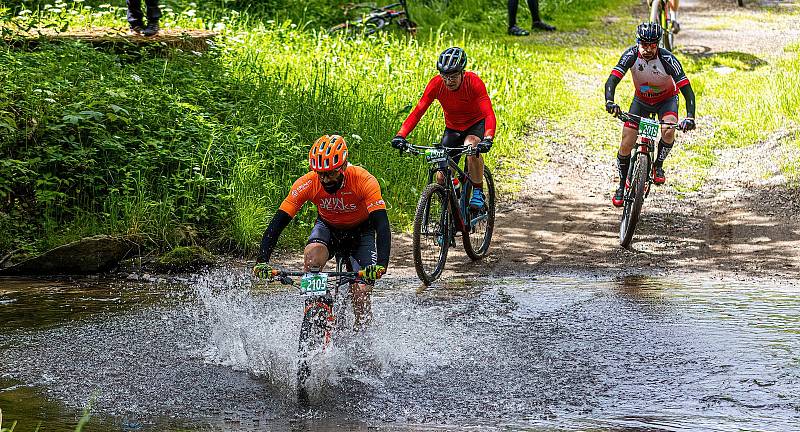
{"points": [[626, 116], [285, 277], [417, 150]]}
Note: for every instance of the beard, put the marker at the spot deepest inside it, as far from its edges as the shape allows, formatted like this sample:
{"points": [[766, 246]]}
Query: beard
{"points": [[332, 187]]}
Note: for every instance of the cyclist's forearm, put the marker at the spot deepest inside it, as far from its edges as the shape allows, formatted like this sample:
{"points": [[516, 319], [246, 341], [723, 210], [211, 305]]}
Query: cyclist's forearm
{"points": [[688, 95], [273, 231], [383, 241], [611, 87]]}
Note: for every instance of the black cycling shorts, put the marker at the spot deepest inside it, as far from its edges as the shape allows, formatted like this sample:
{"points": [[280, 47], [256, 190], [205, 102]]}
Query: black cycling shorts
{"points": [[455, 138], [642, 109], [357, 244]]}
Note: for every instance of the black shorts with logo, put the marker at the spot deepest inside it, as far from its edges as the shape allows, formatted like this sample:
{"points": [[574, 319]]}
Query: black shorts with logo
{"points": [[357, 244], [642, 109]]}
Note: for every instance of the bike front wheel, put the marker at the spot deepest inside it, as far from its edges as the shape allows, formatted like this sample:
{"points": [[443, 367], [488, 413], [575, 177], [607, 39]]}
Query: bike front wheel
{"points": [[314, 336], [431, 233], [479, 222], [634, 198]]}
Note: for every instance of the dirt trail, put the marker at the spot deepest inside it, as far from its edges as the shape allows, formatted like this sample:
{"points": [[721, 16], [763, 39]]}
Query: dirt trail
{"points": [[563, 219]]}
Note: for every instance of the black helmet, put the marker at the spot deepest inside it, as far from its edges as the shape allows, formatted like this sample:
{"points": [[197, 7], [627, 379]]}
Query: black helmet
{"points": [[453, 59], [648, 33]]}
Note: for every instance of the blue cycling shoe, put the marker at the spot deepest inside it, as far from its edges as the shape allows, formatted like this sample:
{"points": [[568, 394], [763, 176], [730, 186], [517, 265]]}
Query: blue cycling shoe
{"points": [[477, 201]]}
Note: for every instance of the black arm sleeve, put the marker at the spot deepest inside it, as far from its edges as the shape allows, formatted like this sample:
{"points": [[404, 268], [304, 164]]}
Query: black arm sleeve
{"points": [[611, 87], [274, 230], [383, 241], [688, 95]]}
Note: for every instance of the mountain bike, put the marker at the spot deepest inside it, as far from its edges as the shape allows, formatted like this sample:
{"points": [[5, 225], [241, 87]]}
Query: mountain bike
{"points": [[640, 173], [374, 19], [660, 13], [327, 309], [443, 210]]}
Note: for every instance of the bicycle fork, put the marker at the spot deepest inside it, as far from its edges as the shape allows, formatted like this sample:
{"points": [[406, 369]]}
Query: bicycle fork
{"points": [[647, 147]]}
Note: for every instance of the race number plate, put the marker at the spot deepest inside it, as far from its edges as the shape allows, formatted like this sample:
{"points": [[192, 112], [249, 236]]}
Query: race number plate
{"points": [[435, 155], [314, 283], [649, 128]]}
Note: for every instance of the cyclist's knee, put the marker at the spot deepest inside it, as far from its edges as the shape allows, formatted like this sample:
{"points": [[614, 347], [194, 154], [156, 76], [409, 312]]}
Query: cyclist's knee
{"points": [[315, 255], [439, 177], [668, 134]]}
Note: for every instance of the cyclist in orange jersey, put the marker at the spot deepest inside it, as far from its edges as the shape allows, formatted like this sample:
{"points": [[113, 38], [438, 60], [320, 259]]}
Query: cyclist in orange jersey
{"points": [[351, 220]]}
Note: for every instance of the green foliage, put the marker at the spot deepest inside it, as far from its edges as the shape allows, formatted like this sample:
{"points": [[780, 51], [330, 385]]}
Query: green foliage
{"points": [[205, 146]]}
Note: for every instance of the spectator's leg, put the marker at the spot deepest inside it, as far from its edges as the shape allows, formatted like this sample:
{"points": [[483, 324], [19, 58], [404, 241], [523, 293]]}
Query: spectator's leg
{"points": [[153, 11], [135, 16], [534, 7], [513, 5], [537, 20], [513, 30]]}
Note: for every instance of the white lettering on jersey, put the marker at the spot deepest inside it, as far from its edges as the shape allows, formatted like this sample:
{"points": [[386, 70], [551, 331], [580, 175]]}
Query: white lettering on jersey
{"points": [[302, 187], [336, 204]]}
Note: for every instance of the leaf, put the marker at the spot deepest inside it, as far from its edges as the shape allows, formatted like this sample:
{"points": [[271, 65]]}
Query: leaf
{"points": [[72, 119], [118, 109], [91, 114]]}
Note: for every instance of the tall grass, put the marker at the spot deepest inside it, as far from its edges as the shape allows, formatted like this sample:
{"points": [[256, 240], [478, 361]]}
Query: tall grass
{"points": [[155, 146], [133, 142]]}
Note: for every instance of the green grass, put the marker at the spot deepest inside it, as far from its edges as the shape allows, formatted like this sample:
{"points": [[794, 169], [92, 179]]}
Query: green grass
{"points": [[164, 145]]}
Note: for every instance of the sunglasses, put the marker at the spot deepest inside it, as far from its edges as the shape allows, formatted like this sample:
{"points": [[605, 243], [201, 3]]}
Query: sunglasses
{"points": [[451, 77]]}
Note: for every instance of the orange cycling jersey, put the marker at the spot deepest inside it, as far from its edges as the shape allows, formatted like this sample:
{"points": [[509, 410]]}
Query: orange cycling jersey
{"points": [[349, 207]]}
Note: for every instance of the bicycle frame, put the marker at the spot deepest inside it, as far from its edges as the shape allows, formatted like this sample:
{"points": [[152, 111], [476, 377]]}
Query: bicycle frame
{"points": [[648, 147], [324, 305], [446, 167], [377, 16]]}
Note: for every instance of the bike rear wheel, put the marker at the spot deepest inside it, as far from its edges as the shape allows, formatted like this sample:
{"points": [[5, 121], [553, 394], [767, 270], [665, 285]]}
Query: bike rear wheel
{"points": [[634, 198], [314, 335], [480, 223], [431, 233]]}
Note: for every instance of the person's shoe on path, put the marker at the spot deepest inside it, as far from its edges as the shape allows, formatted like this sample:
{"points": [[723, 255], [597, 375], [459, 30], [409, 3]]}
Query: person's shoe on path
{"points": [[151, 29], [541, 25], [136, 29], [517, 31]]}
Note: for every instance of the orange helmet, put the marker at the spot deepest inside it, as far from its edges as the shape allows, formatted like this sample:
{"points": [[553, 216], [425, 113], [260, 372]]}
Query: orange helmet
{"points": [[328, 153]]}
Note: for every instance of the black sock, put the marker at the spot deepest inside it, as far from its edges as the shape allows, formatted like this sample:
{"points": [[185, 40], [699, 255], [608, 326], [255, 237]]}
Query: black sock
{"points": [[624, 163], [663, 151]]}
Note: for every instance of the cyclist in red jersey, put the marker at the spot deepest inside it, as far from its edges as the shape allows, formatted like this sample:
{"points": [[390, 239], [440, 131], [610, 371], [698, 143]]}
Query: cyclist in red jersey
{"points": [[468, 114], [351, 220], [658, 77]]}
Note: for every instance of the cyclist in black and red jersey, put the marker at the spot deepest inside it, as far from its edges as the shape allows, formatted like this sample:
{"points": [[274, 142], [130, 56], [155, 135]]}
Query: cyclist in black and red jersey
{"points": [[657, 76], [468, 114]]}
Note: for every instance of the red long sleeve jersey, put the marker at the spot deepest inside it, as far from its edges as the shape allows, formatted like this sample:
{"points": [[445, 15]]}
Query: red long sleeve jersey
{"points": [[462, 108]]}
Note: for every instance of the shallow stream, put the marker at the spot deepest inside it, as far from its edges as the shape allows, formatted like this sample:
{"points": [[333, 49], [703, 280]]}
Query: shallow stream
{"points": [[218, 352]]}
